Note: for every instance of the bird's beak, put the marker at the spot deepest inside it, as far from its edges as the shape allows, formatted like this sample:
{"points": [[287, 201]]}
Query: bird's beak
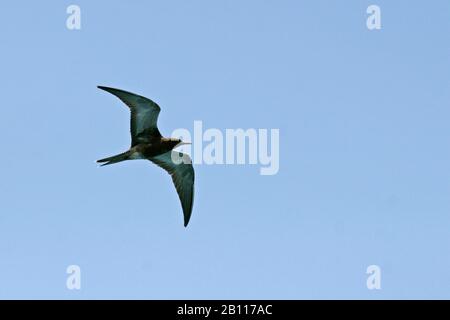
{"points": [[183, 143]]}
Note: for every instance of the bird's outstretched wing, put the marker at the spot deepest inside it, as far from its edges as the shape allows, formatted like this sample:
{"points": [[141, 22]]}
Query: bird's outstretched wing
{"points": [[144, 115], [183, 176]]}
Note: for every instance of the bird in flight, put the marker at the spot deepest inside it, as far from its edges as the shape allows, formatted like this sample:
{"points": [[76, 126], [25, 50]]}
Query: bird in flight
{"points": [[148, 143]]}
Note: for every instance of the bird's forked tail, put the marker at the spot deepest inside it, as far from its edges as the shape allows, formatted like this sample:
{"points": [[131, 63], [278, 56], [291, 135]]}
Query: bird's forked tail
{"points": [[114, 159]]}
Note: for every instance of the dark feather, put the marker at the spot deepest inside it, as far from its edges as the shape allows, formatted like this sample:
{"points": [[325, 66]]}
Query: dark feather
{"points": [[182, 176], [144, 115]]}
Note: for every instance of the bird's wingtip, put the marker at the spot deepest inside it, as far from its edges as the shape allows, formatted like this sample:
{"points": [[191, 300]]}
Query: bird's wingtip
{"points": [[106, 88], [110, 90]]}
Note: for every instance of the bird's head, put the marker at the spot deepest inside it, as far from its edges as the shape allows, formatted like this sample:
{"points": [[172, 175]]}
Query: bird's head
{"points": [[181, 143], [178, 142]]}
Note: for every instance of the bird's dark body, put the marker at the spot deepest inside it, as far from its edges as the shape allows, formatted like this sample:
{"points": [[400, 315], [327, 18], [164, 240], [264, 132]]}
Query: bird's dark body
{"points": [[154, 148]]}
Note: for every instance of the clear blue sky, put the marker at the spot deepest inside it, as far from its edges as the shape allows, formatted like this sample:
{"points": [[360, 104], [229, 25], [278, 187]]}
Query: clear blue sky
{"points": [[364, 158]]}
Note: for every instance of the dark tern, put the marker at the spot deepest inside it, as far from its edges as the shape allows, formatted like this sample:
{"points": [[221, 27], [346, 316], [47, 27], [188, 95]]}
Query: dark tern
{"points": [[148, 143]]}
